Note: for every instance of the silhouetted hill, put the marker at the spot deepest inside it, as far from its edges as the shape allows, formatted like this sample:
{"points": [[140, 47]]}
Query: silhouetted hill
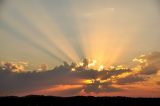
{"points": [[34, 100]]}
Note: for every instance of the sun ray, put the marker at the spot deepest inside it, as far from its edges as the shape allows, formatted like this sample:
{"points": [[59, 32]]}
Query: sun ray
{"points": [[46, 26]]}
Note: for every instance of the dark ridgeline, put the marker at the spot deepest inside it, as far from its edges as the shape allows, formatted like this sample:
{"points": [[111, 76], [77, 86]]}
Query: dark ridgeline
{"points": [[34, 100]]}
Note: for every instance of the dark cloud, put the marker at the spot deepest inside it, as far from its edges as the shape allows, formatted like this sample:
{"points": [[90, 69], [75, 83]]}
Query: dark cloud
{"points": [[149, 70], [93, 87], [87, 74], [114, 72], [130, 79], [14, 80], [98, 87]]}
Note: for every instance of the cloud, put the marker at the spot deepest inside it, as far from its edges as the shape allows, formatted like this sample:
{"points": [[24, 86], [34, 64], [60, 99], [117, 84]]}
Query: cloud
{"points": [[98, 87], [14, 80], [149, 70], [150, 64], [130, 79], [14, 67], [43, 67]]}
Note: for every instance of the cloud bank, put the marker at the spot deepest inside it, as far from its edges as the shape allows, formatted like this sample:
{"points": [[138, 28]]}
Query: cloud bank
{"points": [[77, 78]]}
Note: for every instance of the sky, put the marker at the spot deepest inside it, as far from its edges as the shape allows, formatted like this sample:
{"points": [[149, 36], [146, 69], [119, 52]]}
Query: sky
{"points": [[80, 47]]}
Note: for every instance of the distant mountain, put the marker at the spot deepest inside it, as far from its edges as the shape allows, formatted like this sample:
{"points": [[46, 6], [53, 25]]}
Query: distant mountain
{"points": [[40, 100]]}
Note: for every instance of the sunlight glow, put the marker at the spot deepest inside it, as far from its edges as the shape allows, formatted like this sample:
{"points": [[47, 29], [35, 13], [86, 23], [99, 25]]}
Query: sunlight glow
{"points": [[97, 38], [73, 69], [88, 81], [101, 67], [92, 63]]}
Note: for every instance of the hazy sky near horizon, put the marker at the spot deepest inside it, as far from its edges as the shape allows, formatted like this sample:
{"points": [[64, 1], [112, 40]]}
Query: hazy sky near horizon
{"points": [[41, 34]]}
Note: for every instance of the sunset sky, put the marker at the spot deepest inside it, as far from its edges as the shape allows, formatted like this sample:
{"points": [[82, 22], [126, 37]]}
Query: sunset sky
{"points": [[80, 47]]}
